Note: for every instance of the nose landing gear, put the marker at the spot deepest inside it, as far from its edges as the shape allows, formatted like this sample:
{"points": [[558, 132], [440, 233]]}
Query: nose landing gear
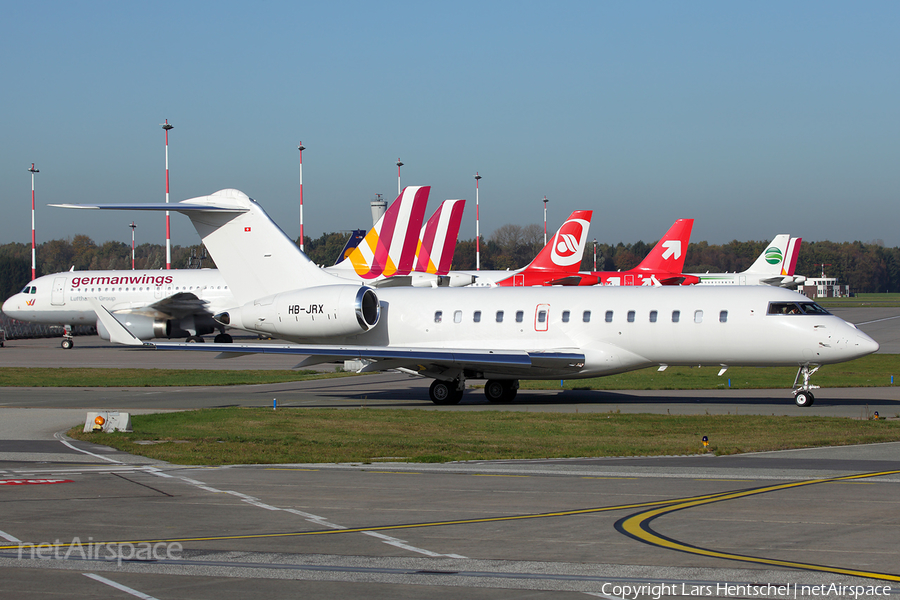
{"points": [[803, 397]]}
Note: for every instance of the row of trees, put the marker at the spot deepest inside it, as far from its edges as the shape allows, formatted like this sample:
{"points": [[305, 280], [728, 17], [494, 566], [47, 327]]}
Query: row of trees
{"points": [[866, 267]]}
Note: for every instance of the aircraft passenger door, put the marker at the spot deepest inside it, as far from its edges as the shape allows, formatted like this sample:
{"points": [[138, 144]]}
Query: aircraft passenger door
{"points": [[158, 292], [742, 280], [518, 280], [58, 293], [629, 280], [542, 317]]}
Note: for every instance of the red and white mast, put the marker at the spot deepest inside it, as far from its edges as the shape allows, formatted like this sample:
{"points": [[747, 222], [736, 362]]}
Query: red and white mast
{"points": [[33, 250], [545, 220], [301, 148], [133, 226], [399, 189], [477, 229], [167, 127]]}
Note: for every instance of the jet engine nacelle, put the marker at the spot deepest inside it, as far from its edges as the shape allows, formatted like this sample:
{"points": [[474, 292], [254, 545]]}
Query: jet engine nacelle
{"points": [[317, 312], [146, 328], [141, 326]]}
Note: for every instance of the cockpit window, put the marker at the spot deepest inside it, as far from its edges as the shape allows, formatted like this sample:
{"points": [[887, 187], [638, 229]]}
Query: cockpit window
{"points": [[34, 289], [811, 308], [26, 290], [796, 308]]}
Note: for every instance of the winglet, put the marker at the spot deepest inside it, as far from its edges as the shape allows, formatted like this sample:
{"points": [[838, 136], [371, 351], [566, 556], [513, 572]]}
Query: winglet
{"points": [[118, 333]]}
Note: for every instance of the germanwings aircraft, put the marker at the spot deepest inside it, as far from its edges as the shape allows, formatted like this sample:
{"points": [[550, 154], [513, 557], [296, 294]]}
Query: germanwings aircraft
{"points": [[499, 335], [181, 303], [775, 266], [558, 262]]}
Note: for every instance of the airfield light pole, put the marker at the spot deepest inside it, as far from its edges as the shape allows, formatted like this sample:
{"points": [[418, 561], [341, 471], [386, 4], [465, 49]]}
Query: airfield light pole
{"points": [[545, 220], [399, 189], [167, 127], [133, 226], [477, 229], [595, 255], [33, 251], [301, 148]]}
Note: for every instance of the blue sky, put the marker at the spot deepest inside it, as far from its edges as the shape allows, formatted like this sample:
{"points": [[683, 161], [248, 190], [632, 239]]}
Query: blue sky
{"points": [[752, 118]]}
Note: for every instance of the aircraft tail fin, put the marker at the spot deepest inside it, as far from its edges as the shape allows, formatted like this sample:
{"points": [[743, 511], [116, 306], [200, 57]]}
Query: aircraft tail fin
{"points": [[773, 258], [669, 252], [389, 248], [437, 240], [565, 249], [254, 255], [792, 253], [356, 236]]}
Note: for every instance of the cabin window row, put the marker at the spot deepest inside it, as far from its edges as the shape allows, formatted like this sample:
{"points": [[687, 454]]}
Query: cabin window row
{"points": [[566, 316]]}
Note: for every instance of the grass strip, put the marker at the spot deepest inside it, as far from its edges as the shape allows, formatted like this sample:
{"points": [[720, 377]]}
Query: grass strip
{"points": [[875, 370], [264, 436], [91, 377]]}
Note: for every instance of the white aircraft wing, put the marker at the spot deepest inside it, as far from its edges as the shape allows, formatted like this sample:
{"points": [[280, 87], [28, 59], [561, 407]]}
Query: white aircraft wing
{"points": [[176, 306], [422, 360]]}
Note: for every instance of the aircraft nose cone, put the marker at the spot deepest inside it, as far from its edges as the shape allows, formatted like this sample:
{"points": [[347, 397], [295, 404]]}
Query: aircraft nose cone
{"points": [[9, 306], [866, 344]]}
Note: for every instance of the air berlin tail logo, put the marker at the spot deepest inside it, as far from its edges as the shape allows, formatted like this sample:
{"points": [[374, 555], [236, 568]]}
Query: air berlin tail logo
{"points": [[568, 246]]}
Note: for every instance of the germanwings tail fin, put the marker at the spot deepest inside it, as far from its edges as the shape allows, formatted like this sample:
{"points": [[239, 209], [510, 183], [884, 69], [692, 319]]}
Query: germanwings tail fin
{"points": [[390, 246], [254, 255], [773, 258], [669, 252], [437, 240], [792, 253], [564, 251]]}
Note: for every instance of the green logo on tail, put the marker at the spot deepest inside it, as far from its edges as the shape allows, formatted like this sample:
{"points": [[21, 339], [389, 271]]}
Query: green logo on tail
{"points": [[773, 255]]}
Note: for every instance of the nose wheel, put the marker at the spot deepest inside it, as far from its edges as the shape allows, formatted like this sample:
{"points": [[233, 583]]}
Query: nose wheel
{"points": [[803, 396]]}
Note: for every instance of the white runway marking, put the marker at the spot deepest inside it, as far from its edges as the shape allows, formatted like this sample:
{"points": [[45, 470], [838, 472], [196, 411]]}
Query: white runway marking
{"points": [[119, 586], [321, 521], [10, 538], [65, 443]]}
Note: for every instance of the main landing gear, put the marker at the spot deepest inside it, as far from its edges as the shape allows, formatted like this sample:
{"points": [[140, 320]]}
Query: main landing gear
{"points": [[446, 392], [498, 391], [803, 397], [501, 391]]}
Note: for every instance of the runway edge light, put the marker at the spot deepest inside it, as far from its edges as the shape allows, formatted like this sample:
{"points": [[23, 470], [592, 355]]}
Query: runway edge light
{"points": [[107, 421]]}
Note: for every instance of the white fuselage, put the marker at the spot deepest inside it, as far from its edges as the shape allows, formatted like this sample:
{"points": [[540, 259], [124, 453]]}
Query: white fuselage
{"points": [[747, 278], [616, 328], [62, 298]]}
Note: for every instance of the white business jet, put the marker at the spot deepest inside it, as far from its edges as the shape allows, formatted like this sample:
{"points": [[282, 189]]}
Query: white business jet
{"points": [[181, 303], [497, 334]]}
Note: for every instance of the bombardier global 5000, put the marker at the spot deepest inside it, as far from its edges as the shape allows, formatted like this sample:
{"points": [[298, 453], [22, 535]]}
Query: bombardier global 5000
{"points": [[500, 335]]}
